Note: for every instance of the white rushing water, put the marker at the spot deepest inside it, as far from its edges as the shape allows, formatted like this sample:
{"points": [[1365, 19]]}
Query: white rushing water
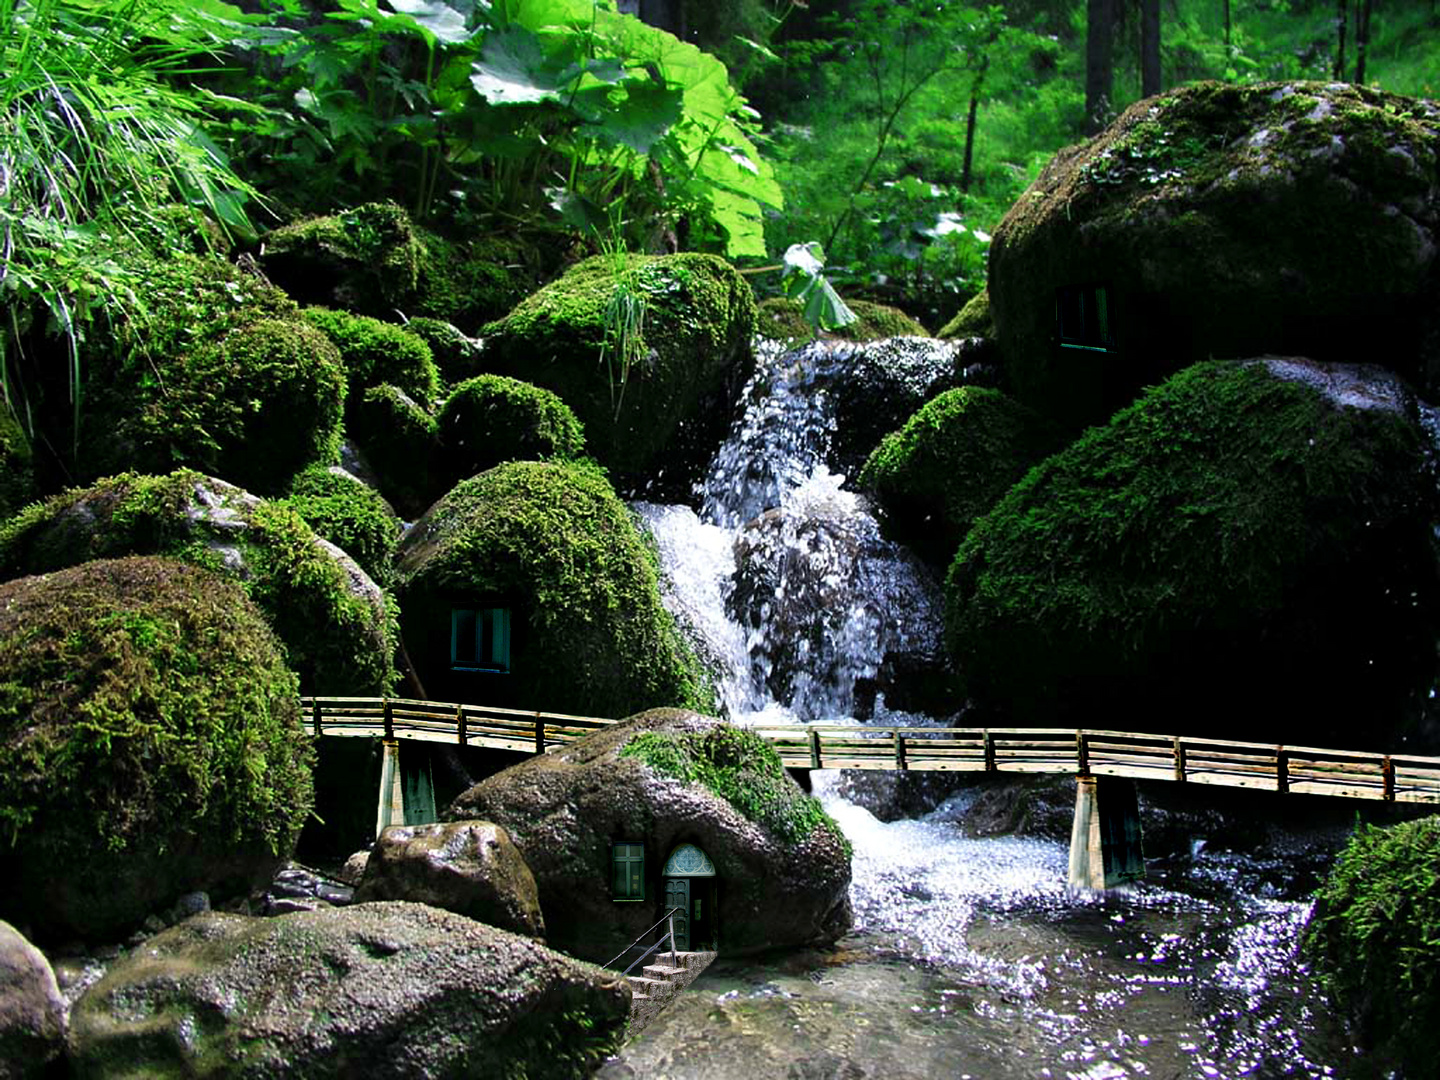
{"points": [[969, 957]]}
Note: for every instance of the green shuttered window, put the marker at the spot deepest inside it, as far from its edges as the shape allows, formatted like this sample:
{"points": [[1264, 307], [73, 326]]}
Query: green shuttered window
{"points": [[480, 639], [628, 876]]}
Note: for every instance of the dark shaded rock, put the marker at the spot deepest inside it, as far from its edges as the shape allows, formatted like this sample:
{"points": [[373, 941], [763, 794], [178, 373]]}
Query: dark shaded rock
{"points": [[386, 990], [782, 880], [32, 1013], [490, 419], [398, 439], [469, 867], [971, 321], [1223, 221], [894, 796]]}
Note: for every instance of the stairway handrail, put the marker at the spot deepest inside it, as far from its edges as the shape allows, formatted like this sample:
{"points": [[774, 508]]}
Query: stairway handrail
{"points": [[641, 938]]}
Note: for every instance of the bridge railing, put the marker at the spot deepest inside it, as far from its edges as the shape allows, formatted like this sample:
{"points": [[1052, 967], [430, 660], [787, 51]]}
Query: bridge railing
{"points": [[1221, 762]]}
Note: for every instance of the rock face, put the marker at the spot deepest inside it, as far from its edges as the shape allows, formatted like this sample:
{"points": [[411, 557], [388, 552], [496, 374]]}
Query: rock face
{"points": [[689, 354], [32, 1013], [551, 544], [329, 613], [387, 990], [1246, 551], [782, 868], [1224, 221], [469, 867], [150, 744]]}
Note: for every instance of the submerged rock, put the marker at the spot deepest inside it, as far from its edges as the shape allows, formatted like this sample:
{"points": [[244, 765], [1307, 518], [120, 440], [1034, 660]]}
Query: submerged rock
{"points": [[32, 1012], [384, 990]]}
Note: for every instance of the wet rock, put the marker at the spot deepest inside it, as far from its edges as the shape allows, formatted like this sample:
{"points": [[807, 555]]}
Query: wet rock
{"points": [[893, 796], [354, 868], [32, 1012], [386, 990], [468, 867]]}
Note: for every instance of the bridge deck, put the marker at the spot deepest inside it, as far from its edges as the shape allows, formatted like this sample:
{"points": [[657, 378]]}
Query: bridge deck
{"points": [[1261, 766]]}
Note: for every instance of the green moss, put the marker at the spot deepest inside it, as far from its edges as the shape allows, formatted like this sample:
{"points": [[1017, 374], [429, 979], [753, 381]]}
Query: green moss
{"points": [[1374, 941], [972, 320], [700, 316], [375, 352], [471, 284], [368, 259], [400, 440], [17, 473], [741, 768], [950, 463], [554, 543], [351, 515], [457, 357], [148, 727], [1229, 522], [782, 319], [490, 419], [339, 642]]}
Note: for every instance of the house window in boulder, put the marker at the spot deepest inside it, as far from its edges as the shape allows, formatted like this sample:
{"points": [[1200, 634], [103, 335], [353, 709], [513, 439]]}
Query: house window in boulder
{"points": [[480, 639], [1082, 318], [628, 873]]}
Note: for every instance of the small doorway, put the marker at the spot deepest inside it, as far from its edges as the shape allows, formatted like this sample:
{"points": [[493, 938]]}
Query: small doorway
{"points": [[689, 886]]}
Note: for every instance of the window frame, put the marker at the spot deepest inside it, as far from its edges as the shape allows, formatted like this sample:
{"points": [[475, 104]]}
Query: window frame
{"points": [[503, 630], [1093, 311], [629, 896]]}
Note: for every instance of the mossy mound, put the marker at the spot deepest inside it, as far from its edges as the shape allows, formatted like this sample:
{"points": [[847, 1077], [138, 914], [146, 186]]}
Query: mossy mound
{"points": [[782, 319], [457, 357], [1258, 534], [950, 463], [553, 544], [1371, 940], [350, 514], [470, 284], [334, 622], [399, 440], [1293, 218], [972, 320], [17, 469], [490, 419], [690, 352], [220, 375], [150, 744], [375, 352]]}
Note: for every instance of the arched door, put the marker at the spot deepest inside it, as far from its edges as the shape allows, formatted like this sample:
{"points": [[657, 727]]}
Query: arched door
{"points": [[687, 871]]}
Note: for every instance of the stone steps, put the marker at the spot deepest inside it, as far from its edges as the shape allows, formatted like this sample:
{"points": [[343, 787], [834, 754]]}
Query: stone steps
{"points": [[660, 983]]}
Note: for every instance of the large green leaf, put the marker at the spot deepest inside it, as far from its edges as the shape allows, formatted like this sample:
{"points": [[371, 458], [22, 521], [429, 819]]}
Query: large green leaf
{"points": [[646, 114], [436, 18], [513, 69]]}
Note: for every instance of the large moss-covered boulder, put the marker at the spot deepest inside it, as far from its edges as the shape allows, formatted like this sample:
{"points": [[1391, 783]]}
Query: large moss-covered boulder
{"points": [[950, 463], [551, 544], [389, 991], [972, 320], [221, 375], [491, 418], [640, 349], [660, 779], [151, 744], [782, 319], [350, 514], [1226, 221], [1370, 942], [399, 440], [333, 619], [1246, 551], [374, 353]]}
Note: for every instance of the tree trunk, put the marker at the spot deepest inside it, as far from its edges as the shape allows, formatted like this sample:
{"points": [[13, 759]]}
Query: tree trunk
{"points": [[1099, 62], [1342, 19], [970, 139], [1362, 40], [1149, 47]]}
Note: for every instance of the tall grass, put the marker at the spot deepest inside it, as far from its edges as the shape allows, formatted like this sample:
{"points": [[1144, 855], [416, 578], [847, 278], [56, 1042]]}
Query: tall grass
{"points": [[99, 130]]}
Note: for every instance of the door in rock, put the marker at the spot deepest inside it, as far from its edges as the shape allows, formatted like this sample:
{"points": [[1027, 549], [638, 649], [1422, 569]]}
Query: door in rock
{"points": [[677, 895]]}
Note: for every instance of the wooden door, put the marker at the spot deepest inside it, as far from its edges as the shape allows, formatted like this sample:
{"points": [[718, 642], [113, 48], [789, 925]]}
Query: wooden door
{"points": [[677, 895]]}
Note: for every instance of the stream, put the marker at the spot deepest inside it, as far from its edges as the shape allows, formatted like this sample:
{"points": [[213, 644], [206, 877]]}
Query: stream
{"points": [[969, 957]]}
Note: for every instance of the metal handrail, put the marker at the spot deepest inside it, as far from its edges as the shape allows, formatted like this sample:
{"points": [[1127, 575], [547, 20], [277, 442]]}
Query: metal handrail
{"points": [[642, 937]]}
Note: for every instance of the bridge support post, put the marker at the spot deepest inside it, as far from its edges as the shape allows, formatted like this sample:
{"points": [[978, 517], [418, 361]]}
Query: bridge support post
{"points": [[1105, 843], [391, 809]]}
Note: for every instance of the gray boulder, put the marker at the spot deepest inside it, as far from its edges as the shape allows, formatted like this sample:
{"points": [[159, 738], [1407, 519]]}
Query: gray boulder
{"points": [[782, 868], [375, 990], [469, 867], [32, 1013]]}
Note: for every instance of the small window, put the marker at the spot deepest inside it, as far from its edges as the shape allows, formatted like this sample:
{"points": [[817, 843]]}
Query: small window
{"points": [[1082, 318], [628, 877], [480, 639]]}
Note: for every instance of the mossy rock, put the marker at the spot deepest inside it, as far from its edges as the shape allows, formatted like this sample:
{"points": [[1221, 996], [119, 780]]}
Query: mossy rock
{"points": [[1245, 552], [350, 514], [782, 319], [375, 352], [17, 468], [399, 440], [1228, 221], [972, 320], [457, 357], [471, 284], [1370, 941], [490, 419], [950, 463], [692, 354], [220, 375], [336, 625], [553, 544], [151, 744]]}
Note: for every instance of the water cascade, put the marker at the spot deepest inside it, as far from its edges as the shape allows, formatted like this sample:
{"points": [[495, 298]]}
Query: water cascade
{"points": [[969, 958]]}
